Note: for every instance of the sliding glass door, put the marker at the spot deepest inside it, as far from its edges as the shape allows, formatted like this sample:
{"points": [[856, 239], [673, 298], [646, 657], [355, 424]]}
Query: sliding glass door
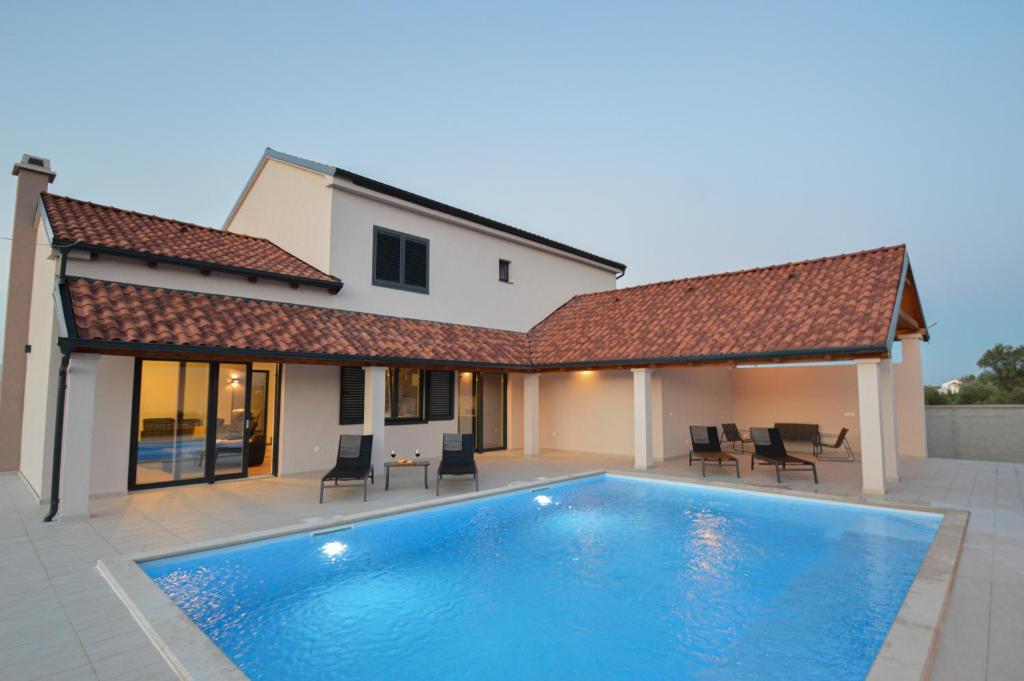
{"points": [[231, 427], [491, 412], [482, 404], [192, 422], [171, 415]]}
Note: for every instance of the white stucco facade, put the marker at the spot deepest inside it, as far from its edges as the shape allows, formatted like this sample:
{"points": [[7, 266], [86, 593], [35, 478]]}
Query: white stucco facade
{"points": [[330, 223], [642, 412]]}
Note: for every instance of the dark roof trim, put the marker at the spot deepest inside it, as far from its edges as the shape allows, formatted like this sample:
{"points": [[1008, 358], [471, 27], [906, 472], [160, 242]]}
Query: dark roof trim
{"points": [[894, 322], [395, 192], [85, 344], [809, 353], [332, 286]]}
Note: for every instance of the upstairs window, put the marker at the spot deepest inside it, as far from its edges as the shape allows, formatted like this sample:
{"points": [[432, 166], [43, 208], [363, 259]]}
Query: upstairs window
{"points": [[504, 271], [401, 261]]}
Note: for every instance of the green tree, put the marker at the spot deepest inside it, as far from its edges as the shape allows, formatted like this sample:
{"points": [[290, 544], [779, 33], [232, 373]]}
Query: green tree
{"points": [[1000, 381], [1006, 364], [933, 396]]}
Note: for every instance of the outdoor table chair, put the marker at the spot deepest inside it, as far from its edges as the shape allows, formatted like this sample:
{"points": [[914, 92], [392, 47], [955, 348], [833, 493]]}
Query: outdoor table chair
{"points": [[731, 434], [457, 451], [841, 442], [353, 462], [706, 447], [769, 448]]}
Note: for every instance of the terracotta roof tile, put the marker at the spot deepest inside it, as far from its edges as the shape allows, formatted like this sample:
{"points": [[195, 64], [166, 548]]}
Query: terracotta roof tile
{"points": [[115, 228], [831, 303], [816, 307], [128, 313]]}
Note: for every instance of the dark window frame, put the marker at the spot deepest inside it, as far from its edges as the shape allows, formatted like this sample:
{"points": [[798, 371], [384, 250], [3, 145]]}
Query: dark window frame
{"points": [[210, 476], [428, 408], [402, 420], [342, 419], [505, 270], [424, 411], [403, 238]]}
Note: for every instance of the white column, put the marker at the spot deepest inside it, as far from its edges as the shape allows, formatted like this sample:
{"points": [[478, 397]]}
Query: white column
{"points": [[531, 415], [657, 419], [76, 460], [373, 412], [910, 401], [890, 440], [643, 422], [872, 448]]}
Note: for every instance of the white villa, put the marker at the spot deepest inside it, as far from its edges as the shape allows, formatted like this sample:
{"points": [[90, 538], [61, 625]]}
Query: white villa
{"points": [[142, 351]]}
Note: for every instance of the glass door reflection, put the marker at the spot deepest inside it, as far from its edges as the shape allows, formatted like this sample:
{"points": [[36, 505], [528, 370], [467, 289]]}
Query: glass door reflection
{"points": [[231, 426]]}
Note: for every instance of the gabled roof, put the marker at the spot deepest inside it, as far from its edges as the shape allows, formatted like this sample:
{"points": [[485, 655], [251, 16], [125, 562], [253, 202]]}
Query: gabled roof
{"points": [[838, 306], [832, 308], [416, 199], [140, 318], [106, 229]]}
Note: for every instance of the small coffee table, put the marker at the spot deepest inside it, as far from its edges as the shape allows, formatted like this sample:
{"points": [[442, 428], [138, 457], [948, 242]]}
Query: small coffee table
{"points": [[414, 463]]}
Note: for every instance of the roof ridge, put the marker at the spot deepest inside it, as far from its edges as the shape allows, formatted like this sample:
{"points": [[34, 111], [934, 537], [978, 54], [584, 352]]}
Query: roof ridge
{"points": [[749, 270], [437, 205], [184, 223]]}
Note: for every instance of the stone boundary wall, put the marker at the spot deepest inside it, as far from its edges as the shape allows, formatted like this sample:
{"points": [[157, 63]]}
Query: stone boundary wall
{"points": [[979, 432]]}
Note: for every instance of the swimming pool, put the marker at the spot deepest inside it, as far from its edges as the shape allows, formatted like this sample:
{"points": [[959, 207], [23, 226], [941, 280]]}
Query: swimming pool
{"points": [[606, 577]]}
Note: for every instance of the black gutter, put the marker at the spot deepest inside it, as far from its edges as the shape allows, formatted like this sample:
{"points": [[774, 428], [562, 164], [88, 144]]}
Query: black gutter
{"points": [[332, 286], [76, 344], [704, 359], [395, 192], [73, 344]]}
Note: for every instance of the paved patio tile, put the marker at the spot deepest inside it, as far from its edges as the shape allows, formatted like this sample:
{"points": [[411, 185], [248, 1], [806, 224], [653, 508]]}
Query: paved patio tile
{"points": [[49, 577]]}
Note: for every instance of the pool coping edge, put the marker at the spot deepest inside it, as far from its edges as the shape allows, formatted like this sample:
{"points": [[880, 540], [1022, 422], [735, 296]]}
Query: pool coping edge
{"points": [[907, 652], [190, 653]]}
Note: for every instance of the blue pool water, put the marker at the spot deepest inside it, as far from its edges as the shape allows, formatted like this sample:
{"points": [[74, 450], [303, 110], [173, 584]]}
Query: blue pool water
{"points": [[600, 578]]}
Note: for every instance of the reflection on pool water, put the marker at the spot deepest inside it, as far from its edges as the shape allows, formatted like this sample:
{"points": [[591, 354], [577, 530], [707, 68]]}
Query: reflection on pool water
{"points": [[602, 578]]}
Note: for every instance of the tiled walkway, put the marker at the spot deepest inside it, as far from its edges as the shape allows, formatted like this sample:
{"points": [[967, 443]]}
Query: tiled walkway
{"points": [[61, 621]]}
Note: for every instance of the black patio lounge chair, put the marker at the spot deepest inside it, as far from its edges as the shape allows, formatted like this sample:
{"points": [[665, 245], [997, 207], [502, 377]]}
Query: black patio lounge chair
{"points": [[706, 447], [353, 462], [731, 434], [770, 449], [457, 458], [841, 442]]}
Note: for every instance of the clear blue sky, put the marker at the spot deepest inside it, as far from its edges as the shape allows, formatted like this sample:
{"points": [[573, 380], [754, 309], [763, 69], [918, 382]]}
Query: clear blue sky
{"points": [[680, 139]]}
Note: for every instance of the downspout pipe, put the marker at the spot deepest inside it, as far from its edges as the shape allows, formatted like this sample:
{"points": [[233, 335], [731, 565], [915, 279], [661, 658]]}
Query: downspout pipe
{"points": [[62, 390], [58, 436]]}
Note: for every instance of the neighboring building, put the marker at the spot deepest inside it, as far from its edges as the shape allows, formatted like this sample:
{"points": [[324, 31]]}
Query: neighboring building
{"points": [[950, 387], [333, 303]]}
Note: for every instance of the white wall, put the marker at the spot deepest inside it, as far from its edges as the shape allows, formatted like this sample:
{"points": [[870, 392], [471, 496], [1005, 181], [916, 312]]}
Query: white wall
{"points": [[514, 424], [310, 404], [112, 425], [135, 271], [463, 270], [909, 395], [587, 411], [41, 371], [592, 411], [696, 396], [822, 394], [291, 207]]}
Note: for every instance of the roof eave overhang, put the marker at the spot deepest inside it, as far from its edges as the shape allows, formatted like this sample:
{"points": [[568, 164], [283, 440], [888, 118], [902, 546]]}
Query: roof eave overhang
{"points": [[767, 357], [212, 352], [331, 286]]}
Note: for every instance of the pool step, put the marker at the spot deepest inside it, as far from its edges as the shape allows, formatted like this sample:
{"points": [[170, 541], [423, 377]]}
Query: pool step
{"points": [[332, 530]]}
